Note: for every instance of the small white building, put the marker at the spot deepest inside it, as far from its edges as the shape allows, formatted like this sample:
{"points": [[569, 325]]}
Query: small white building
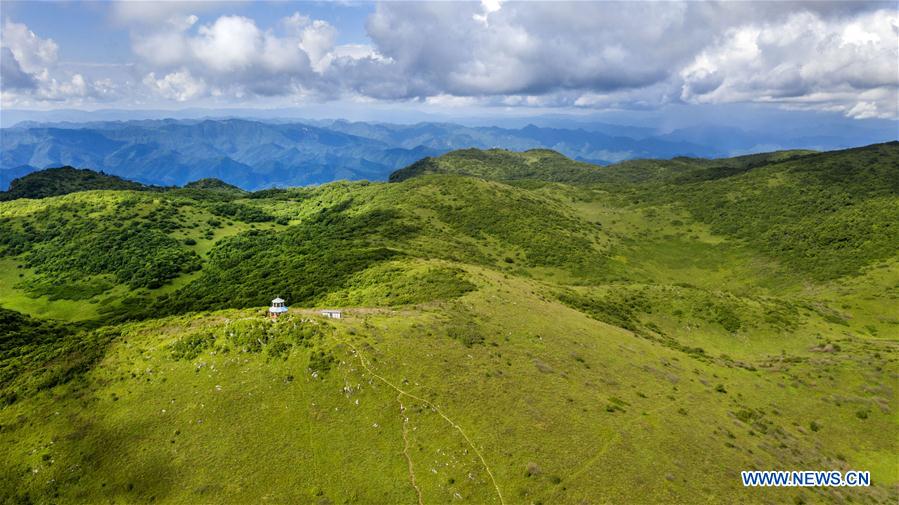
{"points": [[277, 308], [331, 314]]}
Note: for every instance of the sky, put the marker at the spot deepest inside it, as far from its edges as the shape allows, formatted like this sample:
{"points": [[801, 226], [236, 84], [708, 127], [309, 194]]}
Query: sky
{"points": [[692, 59]]}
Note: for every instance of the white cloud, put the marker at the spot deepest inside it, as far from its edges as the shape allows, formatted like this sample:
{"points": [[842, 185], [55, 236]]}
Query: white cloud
{"points": [[29, 71], [180, 86], [235, 57], [232, 43], [487, 7], [637, 55], [166, 48], [821, 56], [32, 52], [12, 77], [317, 40], [804, 60]]}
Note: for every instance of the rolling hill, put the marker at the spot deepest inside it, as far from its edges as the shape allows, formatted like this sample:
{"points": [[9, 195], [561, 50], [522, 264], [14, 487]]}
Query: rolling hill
{"points": [[519, 327]]}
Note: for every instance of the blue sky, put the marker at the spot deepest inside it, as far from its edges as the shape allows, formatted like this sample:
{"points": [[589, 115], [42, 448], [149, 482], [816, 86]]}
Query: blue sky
{"points": [[664, 61]]}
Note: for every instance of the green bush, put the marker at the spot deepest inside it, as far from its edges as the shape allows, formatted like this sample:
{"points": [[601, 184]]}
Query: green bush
{"points": [[465, 332], [190, 346], [240, 212], [279, 349], [320, 362]]}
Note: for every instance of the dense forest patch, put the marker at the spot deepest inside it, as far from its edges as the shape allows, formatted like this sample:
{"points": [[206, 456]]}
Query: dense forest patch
{"points": [[69, 243]]}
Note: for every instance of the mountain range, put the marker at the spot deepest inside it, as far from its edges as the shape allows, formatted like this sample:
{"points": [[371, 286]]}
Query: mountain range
{"points": [[255, 154]]}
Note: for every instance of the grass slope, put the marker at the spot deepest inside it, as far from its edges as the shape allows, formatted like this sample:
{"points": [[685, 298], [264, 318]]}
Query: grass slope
{"points": [[558, 406], [515, 332]]}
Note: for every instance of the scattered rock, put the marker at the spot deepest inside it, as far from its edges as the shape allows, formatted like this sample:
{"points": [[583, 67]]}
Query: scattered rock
{"points": [[543, 366]]}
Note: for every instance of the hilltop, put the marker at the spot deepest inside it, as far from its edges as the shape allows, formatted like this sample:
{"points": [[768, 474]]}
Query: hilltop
{"points": [[504, 165], [213, 184], [519, 327], [550, 166], [64, 180]]}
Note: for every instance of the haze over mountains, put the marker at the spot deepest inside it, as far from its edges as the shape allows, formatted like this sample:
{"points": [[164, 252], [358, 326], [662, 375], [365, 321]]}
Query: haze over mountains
{"points": [[255, 154]]}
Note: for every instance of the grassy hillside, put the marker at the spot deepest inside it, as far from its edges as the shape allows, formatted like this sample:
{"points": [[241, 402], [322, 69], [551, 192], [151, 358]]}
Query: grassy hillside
{"points": [[519, 328], [826, 214]]}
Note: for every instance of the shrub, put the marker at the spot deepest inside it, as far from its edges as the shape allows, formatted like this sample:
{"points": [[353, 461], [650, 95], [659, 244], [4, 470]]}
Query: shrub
{"points": [[532, 470], [320, 362], [279, 349], [467, 334], [240, 212], [191, 346]]}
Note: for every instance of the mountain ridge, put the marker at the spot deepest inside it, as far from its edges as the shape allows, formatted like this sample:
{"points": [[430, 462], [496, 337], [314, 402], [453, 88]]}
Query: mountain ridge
{"points": [[255, 154]]}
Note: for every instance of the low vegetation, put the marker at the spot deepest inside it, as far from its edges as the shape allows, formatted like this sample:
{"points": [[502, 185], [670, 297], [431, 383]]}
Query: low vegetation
{"points": [[514, 325]]}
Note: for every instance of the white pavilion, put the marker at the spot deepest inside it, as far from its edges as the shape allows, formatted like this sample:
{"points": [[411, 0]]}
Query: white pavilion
{"points": [[277, 308]]}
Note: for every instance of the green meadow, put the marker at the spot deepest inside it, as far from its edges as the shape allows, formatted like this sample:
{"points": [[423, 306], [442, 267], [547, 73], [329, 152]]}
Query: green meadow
{"points": [[517, 328]]}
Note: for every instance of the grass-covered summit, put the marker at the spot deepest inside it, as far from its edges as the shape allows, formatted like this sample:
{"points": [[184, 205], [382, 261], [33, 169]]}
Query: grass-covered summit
{"points": [[504, 165], [212, 183], [518, 328]]}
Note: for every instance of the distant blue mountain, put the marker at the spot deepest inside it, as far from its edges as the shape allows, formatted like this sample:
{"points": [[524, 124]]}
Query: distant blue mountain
{"points": [[256, 154], [583, 144], [249, 154]]}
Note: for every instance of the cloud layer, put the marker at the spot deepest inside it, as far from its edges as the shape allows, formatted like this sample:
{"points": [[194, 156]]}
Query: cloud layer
{"points": [[827, 56], [28, 69]]}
